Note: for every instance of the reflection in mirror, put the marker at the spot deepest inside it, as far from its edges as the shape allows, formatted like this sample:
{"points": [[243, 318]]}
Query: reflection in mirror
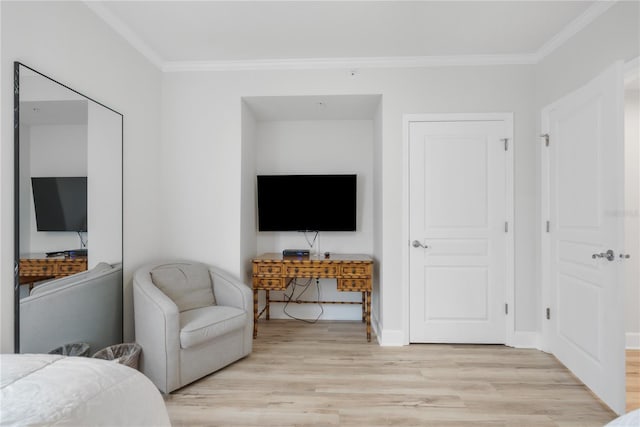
{"points": [[68, 218]]}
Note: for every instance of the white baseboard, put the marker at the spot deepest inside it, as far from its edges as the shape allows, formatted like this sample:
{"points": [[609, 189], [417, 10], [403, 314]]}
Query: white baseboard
{"points": [[391, 338], [526, 340], [632, 340], [386, 337]]}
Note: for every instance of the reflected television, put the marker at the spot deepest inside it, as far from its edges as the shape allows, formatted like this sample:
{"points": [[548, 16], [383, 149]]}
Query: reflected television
{"points": [[60, 203]]}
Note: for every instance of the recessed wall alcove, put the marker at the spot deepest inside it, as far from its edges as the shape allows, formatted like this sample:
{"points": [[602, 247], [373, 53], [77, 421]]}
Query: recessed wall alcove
{"points": [[319, 134]]}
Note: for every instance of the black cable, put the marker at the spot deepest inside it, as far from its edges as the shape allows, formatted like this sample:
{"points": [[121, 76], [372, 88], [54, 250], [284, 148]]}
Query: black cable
{"points": [[290, 297], [314, 239], [83, 244]]}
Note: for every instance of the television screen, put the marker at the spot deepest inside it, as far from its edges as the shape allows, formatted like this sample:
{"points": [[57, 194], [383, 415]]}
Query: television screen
{"points": [[60, 203], [307, 202]]}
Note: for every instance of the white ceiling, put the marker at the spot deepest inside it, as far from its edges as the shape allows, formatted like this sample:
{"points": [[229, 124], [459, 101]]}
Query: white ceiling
{"points": [[218, 31]]}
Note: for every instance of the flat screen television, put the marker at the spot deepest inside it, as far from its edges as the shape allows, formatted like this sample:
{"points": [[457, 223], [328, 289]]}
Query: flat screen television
{"points": [[307, 202], [60, 203]]}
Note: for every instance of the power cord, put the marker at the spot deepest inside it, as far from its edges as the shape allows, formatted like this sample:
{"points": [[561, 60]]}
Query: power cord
{"points": [[311, 243], [83, 243], [289, 298]]}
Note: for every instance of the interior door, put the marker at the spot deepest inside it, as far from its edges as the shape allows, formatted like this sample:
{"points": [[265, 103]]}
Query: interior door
{"points": [[584, 289], [458, 229]]}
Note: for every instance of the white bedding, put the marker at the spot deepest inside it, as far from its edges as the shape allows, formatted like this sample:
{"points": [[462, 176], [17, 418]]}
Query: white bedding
{"points": [[46, 389], [630, 419]]}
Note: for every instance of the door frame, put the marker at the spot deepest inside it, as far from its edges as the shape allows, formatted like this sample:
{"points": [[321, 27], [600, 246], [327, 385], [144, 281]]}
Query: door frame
{"points": [[407, 119]]}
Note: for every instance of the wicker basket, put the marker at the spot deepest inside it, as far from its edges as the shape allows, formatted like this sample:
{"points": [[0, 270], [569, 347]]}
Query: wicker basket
{"points": [[80, 349], [125, 354]]}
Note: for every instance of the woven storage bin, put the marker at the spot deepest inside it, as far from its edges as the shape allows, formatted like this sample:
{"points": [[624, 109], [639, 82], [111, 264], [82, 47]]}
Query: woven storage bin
{"points": [[125, 354], [80, 349]]}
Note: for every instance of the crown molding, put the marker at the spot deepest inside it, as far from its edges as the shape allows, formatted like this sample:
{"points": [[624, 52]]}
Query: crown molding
{"points": [[347, 63], [574, 27], [125, 32]]}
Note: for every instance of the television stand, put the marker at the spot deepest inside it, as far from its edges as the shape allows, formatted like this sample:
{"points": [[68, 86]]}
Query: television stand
{"points": [[353, 273], [36, 267]]}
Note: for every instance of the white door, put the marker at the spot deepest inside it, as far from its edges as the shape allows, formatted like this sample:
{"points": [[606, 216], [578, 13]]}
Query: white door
{"points": [[584, 201], [459, 230]]}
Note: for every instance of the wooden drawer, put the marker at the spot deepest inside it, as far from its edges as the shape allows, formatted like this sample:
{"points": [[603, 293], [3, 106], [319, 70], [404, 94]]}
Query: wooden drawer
{"points": [[71, 267], [269, 283], [351, 285], [355, 270], [263, 269], [37, 268], [325, 271]]}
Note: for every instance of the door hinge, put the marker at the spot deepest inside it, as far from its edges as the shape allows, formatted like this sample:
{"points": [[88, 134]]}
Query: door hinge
{"points": [[548, 226], [506, 226], [506, 143], [548, 313], [546, 139], [506, 308]]}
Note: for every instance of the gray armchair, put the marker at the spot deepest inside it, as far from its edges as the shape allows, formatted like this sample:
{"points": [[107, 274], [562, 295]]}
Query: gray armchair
{"points": [[191, 319], [84, 307]]}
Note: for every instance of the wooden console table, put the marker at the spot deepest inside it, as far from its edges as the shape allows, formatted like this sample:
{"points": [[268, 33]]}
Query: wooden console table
{"points": [[353, 273], [36, 267]]}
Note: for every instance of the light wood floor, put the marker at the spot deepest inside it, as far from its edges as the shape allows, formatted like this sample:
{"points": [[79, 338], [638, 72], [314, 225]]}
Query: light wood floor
{"points": [[327, 374], [633, 380]]}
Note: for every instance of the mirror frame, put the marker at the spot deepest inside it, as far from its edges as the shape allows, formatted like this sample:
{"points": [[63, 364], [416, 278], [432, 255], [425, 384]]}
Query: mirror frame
{"points": [[16, 188]]}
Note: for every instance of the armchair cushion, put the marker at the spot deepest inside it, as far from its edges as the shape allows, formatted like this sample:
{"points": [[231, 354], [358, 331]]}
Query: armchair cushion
{"points": [[204, 324], [187, 284]]}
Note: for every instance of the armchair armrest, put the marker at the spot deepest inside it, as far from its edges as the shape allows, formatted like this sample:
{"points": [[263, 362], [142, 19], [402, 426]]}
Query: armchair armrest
{"points": [[157, 326], [230, 291]]}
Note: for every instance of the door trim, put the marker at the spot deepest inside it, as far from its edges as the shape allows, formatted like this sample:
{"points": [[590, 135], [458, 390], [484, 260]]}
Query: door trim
{"points": [[407, 119]]}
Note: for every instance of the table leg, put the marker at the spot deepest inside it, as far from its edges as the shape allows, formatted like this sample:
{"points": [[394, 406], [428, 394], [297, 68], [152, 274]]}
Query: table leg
{"points": [[364, 307], [255, 313], [268, 310], [368, 316]]}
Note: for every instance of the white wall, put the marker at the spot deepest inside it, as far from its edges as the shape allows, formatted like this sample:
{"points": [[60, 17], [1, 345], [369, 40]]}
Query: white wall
{"points": [[632, 216], [104, 185], [376, 293], [248, 237], [69, 43], [611, 37], [202, 158], [320, 147]]}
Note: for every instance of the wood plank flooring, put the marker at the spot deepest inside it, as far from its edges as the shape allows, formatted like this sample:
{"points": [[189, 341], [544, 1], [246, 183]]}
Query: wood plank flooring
{"points": [[633, 380], [327, 374]]}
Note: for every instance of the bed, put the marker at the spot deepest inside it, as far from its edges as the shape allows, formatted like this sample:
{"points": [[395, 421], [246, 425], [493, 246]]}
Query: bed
{"points": [[630, 419], [37, 389]]}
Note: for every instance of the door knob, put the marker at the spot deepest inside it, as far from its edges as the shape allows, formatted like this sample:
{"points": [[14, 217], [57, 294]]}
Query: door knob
{"points": [[417, 244], [609, 255]]}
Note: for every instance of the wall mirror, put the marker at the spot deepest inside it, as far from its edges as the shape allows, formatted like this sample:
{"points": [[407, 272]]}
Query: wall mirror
{"points": [[68, 218]]}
